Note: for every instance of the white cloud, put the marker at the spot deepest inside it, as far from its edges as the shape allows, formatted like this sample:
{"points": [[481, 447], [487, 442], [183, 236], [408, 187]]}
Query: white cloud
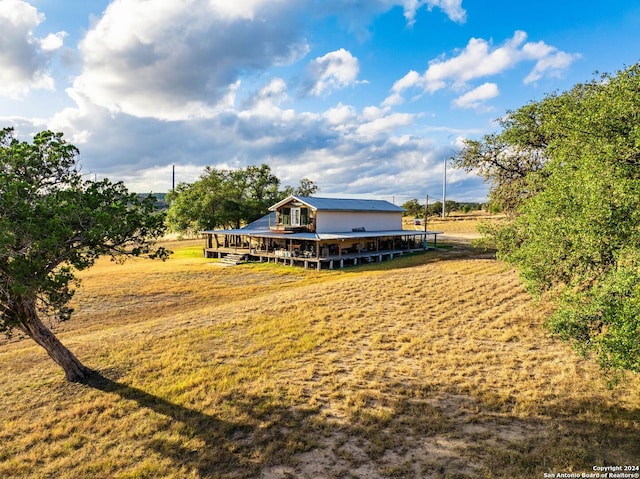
{"points": [[359, 13], [183, 59], [477, 60], [452, 8], [476, 97], [370, 113], [273, 93], [266, 102], [550, 60], [245, 9], [53, 41], [24, 61], [480, 59], [348, 151], [410, 80], [340, 115], [206, 65], [333, 71], [384, 126], [178, 59]]}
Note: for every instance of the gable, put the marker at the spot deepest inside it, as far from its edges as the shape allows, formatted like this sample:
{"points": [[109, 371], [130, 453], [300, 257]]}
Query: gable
{"points": [[340, 204]]}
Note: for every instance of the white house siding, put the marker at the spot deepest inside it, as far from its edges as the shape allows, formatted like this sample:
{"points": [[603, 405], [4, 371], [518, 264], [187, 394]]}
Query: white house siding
{"points": [[343, 221]]}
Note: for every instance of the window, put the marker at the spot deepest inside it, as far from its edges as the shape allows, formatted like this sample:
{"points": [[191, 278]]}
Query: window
{"points": [[295, 216]]}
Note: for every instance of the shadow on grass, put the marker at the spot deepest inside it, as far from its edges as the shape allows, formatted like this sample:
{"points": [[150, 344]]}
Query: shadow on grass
{"points": [[565, 442], [453, 435], [218, 448], [403, 430]]}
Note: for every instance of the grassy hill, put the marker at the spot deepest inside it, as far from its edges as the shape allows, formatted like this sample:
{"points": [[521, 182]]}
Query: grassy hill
{"points": [[433, 365]]}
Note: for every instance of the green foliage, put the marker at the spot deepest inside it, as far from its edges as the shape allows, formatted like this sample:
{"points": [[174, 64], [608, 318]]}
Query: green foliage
{"points": [[435, 208], [511, 159], [222, 198], [306, 187], [578, 236], [605, 319], [53, 221], [413, 208], [228, 198]]}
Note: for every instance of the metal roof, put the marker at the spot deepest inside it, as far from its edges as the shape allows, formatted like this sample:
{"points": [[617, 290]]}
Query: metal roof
{"points": [[260, 228], [341, 204], [323, 236], [261, 224]]}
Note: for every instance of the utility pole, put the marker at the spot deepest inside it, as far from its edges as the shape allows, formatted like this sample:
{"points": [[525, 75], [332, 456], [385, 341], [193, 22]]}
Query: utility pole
{"points": [[444, 188], [173, 178], [426, 213]]}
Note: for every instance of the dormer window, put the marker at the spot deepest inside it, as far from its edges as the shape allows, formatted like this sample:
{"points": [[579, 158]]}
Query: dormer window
{"points": [[295, 216]]}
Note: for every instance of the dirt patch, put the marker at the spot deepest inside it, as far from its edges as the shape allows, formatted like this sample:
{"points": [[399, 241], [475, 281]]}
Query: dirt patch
{"points": [[409, 451]]}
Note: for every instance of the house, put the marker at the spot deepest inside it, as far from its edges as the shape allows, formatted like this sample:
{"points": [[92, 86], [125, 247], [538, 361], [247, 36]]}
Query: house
{"points": [[321, 233]]}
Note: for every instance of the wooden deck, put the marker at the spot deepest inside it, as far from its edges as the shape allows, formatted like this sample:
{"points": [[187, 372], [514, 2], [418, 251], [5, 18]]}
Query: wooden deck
{"points": [[322, 262]]}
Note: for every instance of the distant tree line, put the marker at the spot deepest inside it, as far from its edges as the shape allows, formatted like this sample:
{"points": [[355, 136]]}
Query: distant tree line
{"points": [[415, 209], [159, 200], [566, 170], [228, 198]]}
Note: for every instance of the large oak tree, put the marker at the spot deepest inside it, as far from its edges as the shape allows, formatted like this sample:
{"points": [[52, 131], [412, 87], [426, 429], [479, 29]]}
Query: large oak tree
{"points": [[53, 222], [228, 198], [575, 233]]}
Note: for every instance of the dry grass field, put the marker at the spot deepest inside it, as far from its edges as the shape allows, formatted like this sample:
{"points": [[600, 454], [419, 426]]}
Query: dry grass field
{"points": [[459, 225], [433, 365]]}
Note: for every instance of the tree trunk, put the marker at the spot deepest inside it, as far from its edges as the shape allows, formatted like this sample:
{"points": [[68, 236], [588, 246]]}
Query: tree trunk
{"points": [[74, 370]]}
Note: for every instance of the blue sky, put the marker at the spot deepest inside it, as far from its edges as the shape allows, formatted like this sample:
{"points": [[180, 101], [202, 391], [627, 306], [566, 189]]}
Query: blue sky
{"points": [[365, 97]]}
